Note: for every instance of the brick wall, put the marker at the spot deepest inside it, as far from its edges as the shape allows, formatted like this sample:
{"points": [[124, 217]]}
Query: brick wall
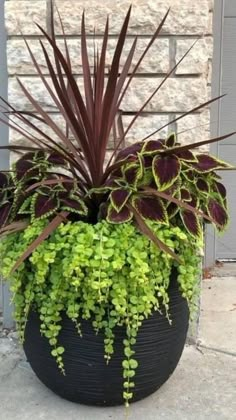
{"points": [[188, 86]]}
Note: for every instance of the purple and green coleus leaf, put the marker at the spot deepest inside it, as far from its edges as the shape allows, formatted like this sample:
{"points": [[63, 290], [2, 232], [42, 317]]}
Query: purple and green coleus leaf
{"points": [[171, 140], [119, 198], [43, 205], [166, 170], [74, 205], [150, 208], [5, 211], [191, 222], [152, 147], [218, 213], [122, 216], [207, 163], [202, 185]]}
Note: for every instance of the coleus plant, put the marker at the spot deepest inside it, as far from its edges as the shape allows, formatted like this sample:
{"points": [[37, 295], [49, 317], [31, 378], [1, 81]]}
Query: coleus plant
{"points": [[69, 179]]}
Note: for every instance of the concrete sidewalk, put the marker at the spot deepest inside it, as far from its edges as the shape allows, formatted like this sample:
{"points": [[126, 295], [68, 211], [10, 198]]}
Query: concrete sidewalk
{"points": [[202, 387]]}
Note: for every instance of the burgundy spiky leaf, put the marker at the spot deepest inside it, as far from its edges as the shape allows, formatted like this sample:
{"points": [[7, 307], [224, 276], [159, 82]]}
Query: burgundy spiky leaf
{"points": [[119, 198], [123, 216], [56, 159], [207, 163], [202, 185], [150, 208], [191, 222], [45, 205], [218, 213], [166, 170], [171, 140], [185, 194], [4, 213]]}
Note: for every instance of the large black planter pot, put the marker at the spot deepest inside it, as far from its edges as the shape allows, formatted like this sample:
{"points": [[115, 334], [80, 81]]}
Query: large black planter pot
{"points": [[89, 380]]}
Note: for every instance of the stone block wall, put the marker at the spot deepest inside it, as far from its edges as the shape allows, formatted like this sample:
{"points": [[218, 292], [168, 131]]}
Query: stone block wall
{"points": [[188, 86]]}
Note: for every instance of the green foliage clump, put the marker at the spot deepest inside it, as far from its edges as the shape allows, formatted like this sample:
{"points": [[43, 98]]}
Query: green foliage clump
{"points": [[111, 274]]}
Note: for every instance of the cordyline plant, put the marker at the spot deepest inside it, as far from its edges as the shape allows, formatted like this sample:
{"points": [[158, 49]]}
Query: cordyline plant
{"points": [[152, 180]]}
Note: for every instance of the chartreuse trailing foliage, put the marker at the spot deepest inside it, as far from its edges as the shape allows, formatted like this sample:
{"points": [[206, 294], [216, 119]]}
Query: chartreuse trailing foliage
{"points": [[111, 274]]}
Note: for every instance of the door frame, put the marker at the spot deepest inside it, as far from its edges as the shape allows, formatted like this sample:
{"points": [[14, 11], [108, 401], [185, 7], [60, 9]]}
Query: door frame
{"points": [[216, 84]]}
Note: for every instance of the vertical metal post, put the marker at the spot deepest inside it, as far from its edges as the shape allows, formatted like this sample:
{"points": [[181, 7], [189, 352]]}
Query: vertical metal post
{"points": [[4, 154]]}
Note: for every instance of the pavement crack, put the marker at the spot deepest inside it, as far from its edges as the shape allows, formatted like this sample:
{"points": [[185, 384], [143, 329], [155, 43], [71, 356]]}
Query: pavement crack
{"points": [[228, 353]]}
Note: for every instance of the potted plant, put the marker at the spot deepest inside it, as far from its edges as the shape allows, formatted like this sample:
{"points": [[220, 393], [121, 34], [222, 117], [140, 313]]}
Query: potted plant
{"points": [[102, 255]]}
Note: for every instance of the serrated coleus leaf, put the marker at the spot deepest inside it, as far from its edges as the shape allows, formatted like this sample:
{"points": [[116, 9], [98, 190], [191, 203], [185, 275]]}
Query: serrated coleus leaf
{"points": [[74, 205], [191, 222], [189, 175], [171, 140], [166, 170], [186, 156], [3, 180], [122, 216], [150, 208], [132, 173], [119, 198], [130, 151], [4, 213], [207, 163], [56, 159], [185, 194], [218, 213], [151, 147], [44, 205], [172, 210], [220, 188], [202, 185]]}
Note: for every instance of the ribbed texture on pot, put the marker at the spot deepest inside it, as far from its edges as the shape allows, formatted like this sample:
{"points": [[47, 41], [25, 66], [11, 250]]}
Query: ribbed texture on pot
{"points": [[89, 380]]}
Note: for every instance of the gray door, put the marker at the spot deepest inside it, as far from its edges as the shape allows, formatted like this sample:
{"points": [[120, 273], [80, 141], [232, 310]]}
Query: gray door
{"points": [[225, 246]]}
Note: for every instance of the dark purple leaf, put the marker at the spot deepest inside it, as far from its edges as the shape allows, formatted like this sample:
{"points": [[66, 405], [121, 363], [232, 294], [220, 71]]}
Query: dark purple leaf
{"points": [[132, 174], [132, 150], [147, 161], [171, 140], [185, 195], [202, 185], [220, 188], [23, 167], [3, 180], [189, 175], [74, 205], [4, 213], [119, 198], [186, 155], [150, 208], [191, 222], [207, 163], [218, 213], [151, 147], [45, 205], [172, 210], [166, 170], [56, 159], [113, 216]]}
